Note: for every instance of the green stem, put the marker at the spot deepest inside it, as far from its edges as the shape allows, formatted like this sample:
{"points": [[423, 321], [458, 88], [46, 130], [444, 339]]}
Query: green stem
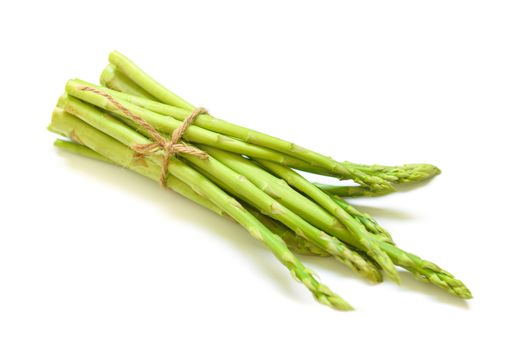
{"points": [[236, 184], [164, 95], [313, 213], [204, 121], [294, 242], [100, 142], [353, 225], [311, 220], [396, 174], [167, 124]]}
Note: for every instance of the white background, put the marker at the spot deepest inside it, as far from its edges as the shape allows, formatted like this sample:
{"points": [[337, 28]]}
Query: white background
{"points": [[95, 257]]}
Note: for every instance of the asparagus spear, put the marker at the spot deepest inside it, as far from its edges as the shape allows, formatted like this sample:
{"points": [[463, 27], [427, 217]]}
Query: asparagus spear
{"points": [[249, 192], [280, 190], [66, 124], [167, 124], [353, 225], [295, 201], [243, 189], [295, 243], [395, 174], [421, 268], [406, 173], [367, 267], [132, 94], [132, 71], [204, 121]]}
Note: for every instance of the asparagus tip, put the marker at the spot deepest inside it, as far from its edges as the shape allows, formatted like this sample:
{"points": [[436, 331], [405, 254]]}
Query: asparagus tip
{"points": [[327, 297]]}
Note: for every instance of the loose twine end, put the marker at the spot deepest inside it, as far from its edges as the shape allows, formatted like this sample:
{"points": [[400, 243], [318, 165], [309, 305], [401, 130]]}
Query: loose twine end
{"points": [[170, 146]]}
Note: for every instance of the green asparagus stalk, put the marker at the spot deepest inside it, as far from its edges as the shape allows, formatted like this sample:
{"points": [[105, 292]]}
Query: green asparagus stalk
{"points": [[133, 72], [204, 121], [307, 209], [351, 191], [243, 189], [353, 225], [167, 124], [366, 266], [396, 174], [281, 191], [142, 166], [66, 124], [122, 88], [295, 243], [421, 268]]}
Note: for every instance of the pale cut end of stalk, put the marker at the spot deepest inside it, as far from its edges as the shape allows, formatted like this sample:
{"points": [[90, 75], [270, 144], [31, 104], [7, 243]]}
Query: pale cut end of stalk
{"points": [[114, 80], [146, 82]]}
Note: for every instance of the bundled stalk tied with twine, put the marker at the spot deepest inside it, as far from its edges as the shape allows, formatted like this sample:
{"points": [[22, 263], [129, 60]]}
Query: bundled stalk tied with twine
{"points": [[245, 175], [170, 146]]}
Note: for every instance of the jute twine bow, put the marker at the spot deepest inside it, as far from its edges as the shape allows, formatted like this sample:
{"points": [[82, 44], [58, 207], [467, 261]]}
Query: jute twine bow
{"points": [[169, 146]]}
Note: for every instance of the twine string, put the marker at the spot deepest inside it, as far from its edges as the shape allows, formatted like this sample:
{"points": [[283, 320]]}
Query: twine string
{"points": [[170, 146]]}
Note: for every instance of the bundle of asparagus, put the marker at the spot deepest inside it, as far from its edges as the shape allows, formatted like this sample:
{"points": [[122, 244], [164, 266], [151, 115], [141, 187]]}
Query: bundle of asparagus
{"points": [[133, 121]]}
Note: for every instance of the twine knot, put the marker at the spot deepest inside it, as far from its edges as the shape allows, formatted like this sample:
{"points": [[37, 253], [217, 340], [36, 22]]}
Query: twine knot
{"points": [[170, 146]]}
